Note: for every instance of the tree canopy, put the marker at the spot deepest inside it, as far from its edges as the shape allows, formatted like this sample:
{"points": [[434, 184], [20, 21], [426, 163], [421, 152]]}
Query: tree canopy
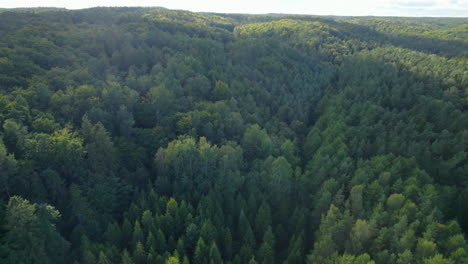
{"points": [[148, 135]]}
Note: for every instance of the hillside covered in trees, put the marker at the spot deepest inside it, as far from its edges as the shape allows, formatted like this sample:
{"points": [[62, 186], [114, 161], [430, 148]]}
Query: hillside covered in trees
{"points": [[154, 136]]}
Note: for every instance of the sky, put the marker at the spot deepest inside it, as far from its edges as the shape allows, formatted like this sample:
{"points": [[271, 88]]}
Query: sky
{"points": [[437, 8]]}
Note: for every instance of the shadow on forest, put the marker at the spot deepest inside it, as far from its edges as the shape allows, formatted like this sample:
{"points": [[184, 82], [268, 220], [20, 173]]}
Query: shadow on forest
{"points": [[384, 95]]}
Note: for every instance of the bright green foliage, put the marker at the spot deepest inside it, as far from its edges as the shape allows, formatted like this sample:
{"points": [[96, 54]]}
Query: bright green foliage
{"points": [[437, 259], [389, 229], [181, 137], [172, 260], [361, 235], [425, 249], [395, 201]]}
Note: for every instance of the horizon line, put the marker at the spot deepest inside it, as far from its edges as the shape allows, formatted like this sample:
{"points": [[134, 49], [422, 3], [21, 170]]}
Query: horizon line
{"points": [[225, 13]]}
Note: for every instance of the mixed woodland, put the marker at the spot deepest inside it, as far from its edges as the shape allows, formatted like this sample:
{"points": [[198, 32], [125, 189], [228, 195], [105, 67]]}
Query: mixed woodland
{"points": [[156, 136]]}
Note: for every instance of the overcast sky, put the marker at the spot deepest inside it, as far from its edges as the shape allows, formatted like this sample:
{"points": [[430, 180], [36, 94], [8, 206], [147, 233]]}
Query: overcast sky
{"points": [[452, 8]]}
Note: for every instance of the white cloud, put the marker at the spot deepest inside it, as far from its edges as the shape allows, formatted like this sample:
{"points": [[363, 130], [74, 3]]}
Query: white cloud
{"points": [[415, 3], [457, 8]]}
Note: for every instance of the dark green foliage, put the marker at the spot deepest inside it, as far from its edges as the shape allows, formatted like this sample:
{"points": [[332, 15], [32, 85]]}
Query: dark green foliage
{"points": [[177, 137]]}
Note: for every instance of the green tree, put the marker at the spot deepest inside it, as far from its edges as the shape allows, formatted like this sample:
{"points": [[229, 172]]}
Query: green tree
{"points": [[215, 256], [7, 169], [103, 258], [361, 235], [99, 147], [221, 91], [172, 260], [263, 220], [395, 201], [357, 200], [425, 249], [126, 259], [266, 253], [31, 233], [202, 253], [139, 254], [252, 261], [14, 136], [437, 259], [256, 143], [113, 234], [290, 152], [137, 236]]}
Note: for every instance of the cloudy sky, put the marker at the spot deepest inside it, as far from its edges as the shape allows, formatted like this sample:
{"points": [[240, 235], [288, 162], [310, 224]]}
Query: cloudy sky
{"points": [[457, 8]]}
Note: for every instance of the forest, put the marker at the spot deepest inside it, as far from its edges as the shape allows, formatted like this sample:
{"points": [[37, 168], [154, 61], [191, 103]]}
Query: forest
{"points": [[157, 136]]}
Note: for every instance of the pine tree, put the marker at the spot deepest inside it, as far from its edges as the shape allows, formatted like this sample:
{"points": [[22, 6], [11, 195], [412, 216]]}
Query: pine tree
{"points": [[139, 254], [263, 220], [137, 235], [113, 234], [208, 232], [202, 254], [172, 260], [161, 243], [215, 256], [266, 253], [126, 259], [252, 261], [103, 259]]}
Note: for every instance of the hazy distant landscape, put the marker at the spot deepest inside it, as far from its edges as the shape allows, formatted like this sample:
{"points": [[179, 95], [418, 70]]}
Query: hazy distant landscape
{"points": [[151, 135]]}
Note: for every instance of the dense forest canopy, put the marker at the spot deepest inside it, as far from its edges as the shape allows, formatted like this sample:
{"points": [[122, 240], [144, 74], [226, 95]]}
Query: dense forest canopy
{"points": [[148, 135]]}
